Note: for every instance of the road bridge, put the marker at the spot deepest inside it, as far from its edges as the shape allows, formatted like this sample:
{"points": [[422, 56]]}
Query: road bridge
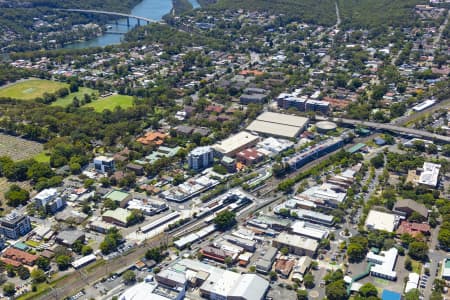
{"points": [[391, 127], [110, 13]]}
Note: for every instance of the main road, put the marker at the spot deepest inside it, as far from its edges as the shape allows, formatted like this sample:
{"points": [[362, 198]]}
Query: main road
{"points": [[390, 127]]}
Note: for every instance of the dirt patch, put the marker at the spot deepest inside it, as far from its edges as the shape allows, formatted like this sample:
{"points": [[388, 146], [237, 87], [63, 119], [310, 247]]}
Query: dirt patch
{"points": [[18, 148]]}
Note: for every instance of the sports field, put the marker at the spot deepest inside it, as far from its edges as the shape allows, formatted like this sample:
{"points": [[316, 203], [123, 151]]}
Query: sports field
{"points": [[111, 102], [69, 98], [31, 89]]}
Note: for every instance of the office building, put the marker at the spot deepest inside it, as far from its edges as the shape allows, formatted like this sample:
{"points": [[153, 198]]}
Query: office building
{"points": [[200, 158], [49, 200], [297, 245], [266, 260], [104, 164], [383, 264], [15, 225]]}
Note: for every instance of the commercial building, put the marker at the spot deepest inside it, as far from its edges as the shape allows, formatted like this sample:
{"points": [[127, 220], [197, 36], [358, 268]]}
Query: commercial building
{"points": [[413, 282], [309, 230], [274, 145], [200, 158], [249, 156], [69, 237], [304, 214], [430, 174], [248, 245], [189, 189], [119, 216], [296, 244], [213, 282], [384, 264], [314, 152], [265, 262], [264, 221], [279, 125], [150, 289], [148, 207], [104, 164], [377, 220], [326, 195], [15, 225], [405, 207], [217, 254], [235, 143], [301, 267]]}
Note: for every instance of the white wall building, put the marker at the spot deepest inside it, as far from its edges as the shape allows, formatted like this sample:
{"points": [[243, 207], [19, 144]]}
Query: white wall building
{"points": [[104, 164], [430, 174], [384, 264], [200, 158]]}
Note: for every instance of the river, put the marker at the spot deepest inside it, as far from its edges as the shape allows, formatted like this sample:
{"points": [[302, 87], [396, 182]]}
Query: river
{"points": [[152, 9]]}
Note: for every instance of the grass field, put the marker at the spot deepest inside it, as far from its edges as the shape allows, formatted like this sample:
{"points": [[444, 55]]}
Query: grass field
{"points": [[31, 89], [43, 157], [111, 102], [69, 98], [18, 148]]}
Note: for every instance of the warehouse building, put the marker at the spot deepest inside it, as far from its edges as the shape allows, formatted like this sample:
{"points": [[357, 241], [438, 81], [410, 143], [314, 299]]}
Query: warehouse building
{"points": [[279, 125], [234, 144]]}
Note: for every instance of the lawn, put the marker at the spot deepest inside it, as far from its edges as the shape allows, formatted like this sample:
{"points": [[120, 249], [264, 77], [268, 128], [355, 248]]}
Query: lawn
{"points": [[43, 157], [111, 102], [69, 98], [31, 89]]}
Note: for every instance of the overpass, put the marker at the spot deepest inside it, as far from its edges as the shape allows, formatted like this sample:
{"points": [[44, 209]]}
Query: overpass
{"points": [[390, 127], [110, 13]]}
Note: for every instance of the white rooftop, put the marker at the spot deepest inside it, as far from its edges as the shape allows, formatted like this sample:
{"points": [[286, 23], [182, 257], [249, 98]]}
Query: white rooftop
{"points": [[430, 174], [384, 262], [309, 230], [324, 192], [413, 282], [235, 142], [381, 221]]}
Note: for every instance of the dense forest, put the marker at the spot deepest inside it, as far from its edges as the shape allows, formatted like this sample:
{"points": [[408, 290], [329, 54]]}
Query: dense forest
{"points": [[320, 12], [369, 14]]}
